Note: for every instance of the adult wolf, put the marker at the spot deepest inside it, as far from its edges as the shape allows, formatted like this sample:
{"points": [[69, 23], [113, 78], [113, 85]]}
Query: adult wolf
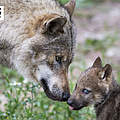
{"points": [[37, 39]]}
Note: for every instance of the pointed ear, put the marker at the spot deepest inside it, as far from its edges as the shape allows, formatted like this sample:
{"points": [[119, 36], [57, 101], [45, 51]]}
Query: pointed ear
{"points": [[70, 6], [97, 63], [106, 77], [107, 69], [53, 24]]}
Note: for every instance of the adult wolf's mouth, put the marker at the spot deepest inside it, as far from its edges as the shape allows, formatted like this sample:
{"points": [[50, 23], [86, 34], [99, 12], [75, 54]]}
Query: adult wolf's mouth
{"points": [[48, 92], [44, 84]]}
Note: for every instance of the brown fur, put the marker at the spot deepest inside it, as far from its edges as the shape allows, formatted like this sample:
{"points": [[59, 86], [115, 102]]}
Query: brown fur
{"points": [[110, 109], [97, 86]]}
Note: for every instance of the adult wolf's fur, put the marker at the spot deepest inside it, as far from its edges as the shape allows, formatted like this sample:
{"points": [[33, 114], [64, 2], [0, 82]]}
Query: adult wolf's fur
{"points": [[37, 39], [97, 86]]}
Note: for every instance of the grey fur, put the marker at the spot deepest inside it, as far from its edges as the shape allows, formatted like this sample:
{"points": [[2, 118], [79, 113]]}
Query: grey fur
{"points": [[26, 42]]}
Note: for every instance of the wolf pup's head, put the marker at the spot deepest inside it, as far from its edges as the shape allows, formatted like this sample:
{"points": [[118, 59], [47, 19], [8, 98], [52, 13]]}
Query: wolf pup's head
{"points": [[92, 86], [46, 55]]}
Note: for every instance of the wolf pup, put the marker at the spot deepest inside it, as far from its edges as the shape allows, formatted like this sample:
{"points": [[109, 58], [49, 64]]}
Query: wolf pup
{"points": [[37, 39], [97, 86]]}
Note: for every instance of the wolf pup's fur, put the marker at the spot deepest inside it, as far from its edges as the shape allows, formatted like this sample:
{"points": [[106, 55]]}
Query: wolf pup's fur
{"points": [[37, 39], [97, 86]]}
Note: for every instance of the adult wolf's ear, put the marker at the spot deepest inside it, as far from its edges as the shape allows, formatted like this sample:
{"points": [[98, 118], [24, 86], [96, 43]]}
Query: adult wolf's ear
{"points": [[97, 63], [70, 6], [53, 23]]}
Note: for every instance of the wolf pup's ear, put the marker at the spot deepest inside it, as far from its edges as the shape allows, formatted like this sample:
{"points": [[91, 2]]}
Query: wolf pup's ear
{"points": [[70, 6], [97, 63], [107, 71], [53, 24]]}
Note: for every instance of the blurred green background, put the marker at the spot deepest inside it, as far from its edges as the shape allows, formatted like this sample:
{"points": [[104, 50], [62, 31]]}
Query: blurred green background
{"points": [[98, 31]]}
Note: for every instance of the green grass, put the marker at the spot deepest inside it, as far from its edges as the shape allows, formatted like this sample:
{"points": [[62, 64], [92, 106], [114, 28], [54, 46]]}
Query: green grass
{"points": [[87, 3], [27, 102], [63, 1], [100, 45]]}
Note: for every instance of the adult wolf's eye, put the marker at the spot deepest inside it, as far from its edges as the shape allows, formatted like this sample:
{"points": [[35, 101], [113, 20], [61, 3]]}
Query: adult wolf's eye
{"points": [[86, 91], [51, 59], [59, 59]]}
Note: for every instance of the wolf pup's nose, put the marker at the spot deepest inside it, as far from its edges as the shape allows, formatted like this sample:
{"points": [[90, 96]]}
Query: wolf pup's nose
{"points": [[65, 96]]}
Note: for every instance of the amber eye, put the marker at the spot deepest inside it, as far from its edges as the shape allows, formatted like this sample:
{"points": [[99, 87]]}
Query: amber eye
{"points": [[59, 59], [86, 91], [51, 59]]}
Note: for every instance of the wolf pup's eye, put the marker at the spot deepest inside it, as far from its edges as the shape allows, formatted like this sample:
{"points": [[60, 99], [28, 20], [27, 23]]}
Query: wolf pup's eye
{"points": [[58, 59], [85, 91]]}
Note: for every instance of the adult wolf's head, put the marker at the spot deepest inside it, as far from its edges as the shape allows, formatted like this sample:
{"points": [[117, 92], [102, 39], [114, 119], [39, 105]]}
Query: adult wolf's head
{"points": [[47, 52], [52, 73], [93, 86]]}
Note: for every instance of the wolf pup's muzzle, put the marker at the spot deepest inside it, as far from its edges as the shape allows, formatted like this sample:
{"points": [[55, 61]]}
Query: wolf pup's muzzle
{"points": [[76, 105]]}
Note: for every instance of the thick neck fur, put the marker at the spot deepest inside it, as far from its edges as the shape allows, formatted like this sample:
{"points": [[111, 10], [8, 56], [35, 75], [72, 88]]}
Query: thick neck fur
{"points": [[109, 109]]}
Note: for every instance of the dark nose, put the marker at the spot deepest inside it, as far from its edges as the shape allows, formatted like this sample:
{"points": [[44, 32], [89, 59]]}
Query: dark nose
{"points": [[70, 102], [65, 96]]}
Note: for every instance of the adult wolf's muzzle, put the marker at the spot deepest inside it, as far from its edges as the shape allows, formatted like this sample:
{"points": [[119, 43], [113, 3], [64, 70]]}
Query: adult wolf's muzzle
{"points": [[55, 89], [57, 94]]}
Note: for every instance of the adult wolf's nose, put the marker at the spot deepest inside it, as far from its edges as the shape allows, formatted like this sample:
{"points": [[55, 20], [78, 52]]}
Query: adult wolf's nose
{"points": [[65, 96]]}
